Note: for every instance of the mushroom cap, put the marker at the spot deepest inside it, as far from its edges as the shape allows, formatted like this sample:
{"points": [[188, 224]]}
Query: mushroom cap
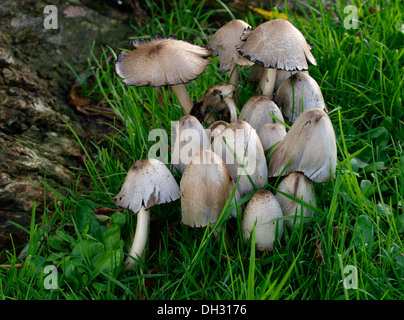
{"points": [[161, 61], [277, 44], [242, 146], [258, 109], [224, 42], [310, 147], [264, 210], [148, 183], [270, 134], [282, 75], [206, 185], [298, 185], [190, 138], [304, 94], [212, 102], [217, 127]]}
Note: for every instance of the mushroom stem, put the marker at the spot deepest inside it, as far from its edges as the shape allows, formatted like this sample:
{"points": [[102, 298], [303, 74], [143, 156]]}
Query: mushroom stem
{"points": [[232, 107], [234, 74], [183, 97], [139, 242], [267, 81]]}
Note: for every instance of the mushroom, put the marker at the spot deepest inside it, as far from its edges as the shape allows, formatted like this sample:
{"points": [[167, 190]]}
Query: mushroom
{"points": [[264, 212], [163, 61], [214, 102], [282, 75], [148, 183], [308, 147], [224, 42], [270, 135], [240, 148], [276, 44], [190, 138], [299, 186], [216, 128], [298, 93], [206, 185], [259, 110]]}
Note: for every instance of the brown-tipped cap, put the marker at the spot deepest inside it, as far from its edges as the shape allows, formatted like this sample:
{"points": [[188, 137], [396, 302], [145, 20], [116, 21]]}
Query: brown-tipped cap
{"points": [[302, 95], [224, 43], [206, 185], [148, 183], [299, 186], [263, 211], [161, 61], [240, 148], [277, 44], [270, 134], [308, 147], [260, 110]]}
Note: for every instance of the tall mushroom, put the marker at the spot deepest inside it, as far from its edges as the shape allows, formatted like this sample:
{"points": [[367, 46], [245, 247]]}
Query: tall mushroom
{"points": [[163, 61], [299, 186], [224, 42], [190, 138], [270, 135], [148, 183], [298, 93], [276, 44], [263, 211], [206, 185], [260, 110], [240, 148], [308, 147]]}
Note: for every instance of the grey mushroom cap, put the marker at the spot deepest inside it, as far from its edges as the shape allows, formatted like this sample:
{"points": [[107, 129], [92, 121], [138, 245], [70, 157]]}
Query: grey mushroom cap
{"points": [[308, 147], [299, 186], [277, 44], [242, 146], [224, 42], [260, 110], [282, 75], [190, 138], [298, 93], [263, 211], [161, 61], [148, 183], [270, 134], [206, 185]]}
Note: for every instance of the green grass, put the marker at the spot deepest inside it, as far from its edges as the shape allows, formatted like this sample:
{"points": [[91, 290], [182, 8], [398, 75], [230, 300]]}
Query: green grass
{"points": [[359, 217]]}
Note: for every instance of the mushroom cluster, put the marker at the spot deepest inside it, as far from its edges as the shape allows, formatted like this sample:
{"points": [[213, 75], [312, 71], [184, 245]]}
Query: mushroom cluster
{"points": [[223, 153]]}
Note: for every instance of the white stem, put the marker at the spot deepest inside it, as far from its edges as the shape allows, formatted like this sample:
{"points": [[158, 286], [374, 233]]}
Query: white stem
{"points": [[183, 97], [139, 242], [234, 74], [232, 107], [267, 81]]}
